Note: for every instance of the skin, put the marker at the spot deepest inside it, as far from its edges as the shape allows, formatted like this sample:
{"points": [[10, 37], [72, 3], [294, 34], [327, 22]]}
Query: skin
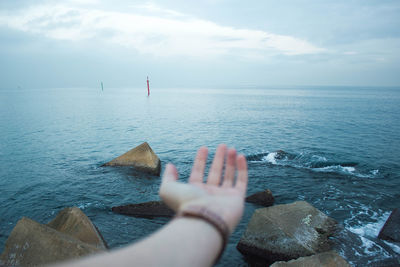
{"points": [[220, 193], [188, 241]]}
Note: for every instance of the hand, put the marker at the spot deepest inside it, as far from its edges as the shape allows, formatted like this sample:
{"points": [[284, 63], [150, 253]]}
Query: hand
{"points": [[221, 195]]}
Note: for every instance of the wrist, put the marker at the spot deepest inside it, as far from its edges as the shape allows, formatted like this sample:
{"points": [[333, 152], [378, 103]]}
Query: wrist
{"points": [[211, 218]]}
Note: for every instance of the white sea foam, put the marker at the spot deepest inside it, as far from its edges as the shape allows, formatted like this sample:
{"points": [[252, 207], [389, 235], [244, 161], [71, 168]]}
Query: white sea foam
{"points": [[270, 158], [370, 229], [370, 175], [368, 232], [95, 205], [318, 158], [349, 169], [395, 247], [305, 161], [83, 206], [374, 172], [336, 168], [367, 244]]}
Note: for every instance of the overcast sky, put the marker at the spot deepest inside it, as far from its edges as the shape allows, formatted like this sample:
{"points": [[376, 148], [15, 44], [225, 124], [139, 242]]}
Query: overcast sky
{"points": [[208, 43]]}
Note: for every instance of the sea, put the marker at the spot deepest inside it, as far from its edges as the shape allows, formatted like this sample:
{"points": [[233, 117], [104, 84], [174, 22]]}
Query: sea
{"points": [[341, 154]]}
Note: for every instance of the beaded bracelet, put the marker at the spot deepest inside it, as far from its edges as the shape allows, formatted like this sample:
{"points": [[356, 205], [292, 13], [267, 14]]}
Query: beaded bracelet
{"points": [[213, 219]]}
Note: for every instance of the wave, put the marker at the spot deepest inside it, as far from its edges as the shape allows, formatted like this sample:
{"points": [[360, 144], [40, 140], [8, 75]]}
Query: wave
{"points": [[371, 248], [311, 161], [93, 206]]}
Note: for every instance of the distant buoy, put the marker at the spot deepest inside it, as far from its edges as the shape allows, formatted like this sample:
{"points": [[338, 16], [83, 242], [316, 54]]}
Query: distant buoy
{"points": [[148, 86]]}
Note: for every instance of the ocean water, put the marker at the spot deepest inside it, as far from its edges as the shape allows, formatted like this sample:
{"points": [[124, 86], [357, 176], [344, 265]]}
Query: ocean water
{"points": [[342, 150]]}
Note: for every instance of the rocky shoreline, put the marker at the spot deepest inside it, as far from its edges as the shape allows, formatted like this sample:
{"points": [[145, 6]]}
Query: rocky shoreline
{"points": [[294, 234]]}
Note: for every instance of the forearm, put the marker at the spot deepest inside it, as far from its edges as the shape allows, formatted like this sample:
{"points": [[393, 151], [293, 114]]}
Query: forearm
{"points": [[182, 242], [208, 213]]}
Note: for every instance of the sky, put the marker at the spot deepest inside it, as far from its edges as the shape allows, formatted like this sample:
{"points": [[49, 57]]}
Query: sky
{"points": [[199, 44]]}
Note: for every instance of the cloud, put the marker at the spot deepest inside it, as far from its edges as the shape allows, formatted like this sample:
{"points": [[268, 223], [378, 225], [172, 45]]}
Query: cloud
{"points": [[84, 2], [154, 9], [152, 30]]}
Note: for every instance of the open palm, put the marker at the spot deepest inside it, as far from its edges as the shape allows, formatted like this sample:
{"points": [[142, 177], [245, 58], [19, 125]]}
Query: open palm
{"points": [[221, 193]]}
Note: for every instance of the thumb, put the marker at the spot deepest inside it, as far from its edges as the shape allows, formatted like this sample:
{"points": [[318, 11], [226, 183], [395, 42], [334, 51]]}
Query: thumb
{"points": [[174, 193], [170, 174], [169, 178]]}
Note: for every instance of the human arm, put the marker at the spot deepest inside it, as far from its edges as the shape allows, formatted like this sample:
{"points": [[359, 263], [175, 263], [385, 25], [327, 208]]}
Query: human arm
{"points": [[187, 241]]}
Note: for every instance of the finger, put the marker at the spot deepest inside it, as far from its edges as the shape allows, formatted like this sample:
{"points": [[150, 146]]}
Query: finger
{"points": [[214, 176], [198, 166], [242, 176], [229, 175], [170, 173]]}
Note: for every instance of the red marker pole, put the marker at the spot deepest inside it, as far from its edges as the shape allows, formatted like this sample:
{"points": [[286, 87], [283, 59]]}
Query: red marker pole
{"points": [[148, 86]]}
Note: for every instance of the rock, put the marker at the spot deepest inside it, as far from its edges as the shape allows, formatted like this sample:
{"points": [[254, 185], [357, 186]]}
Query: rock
{"points": [[73, 222], [285, 232], [391, 229], [263, 198], [280, 154], [326, 259], [146, 209], [31, 243], [141, 157]]}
